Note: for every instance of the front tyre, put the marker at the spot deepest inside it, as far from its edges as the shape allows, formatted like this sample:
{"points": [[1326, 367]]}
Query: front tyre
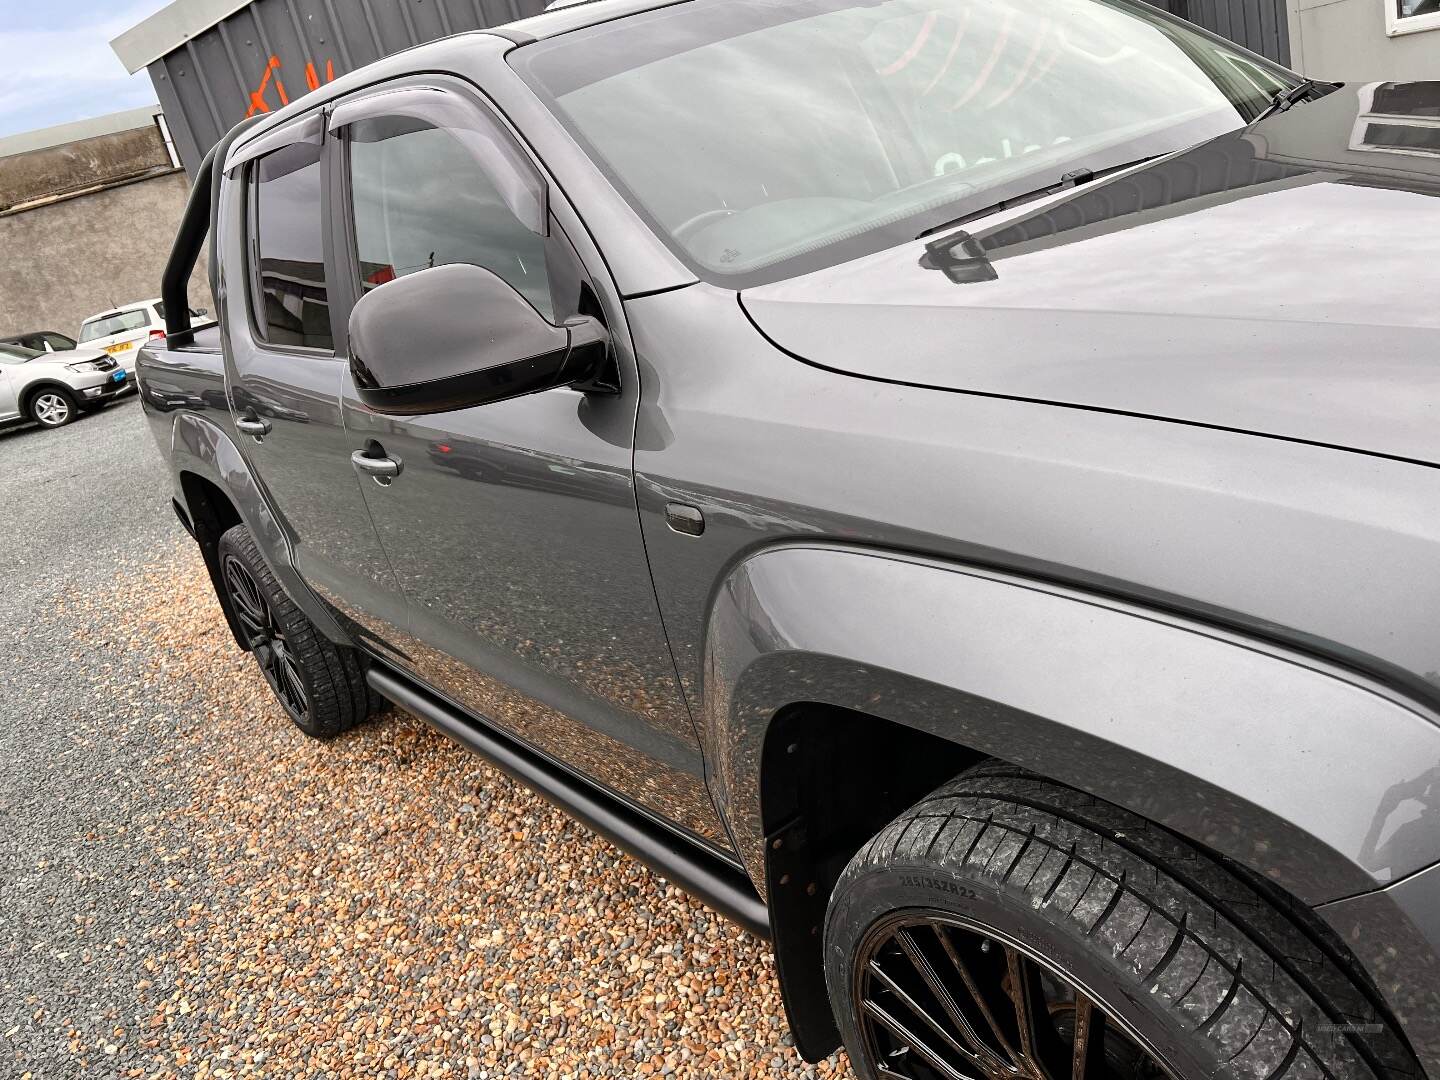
{"points": [[320, 685], [53, 407], [1011, 928]]}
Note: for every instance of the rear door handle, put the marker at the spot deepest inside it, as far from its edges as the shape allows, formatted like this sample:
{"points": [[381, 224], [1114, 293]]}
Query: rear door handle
{"points": [[373, 461], [253, 425]]}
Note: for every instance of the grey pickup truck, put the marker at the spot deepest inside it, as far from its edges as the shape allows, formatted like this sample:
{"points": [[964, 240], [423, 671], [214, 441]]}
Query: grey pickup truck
{"points": [[953, 484]]}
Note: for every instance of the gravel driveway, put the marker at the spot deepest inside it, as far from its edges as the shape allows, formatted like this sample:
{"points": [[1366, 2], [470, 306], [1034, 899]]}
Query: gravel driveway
{"points": [[191, 888]]}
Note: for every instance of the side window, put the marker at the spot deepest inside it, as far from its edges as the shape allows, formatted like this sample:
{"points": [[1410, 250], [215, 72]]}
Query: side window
{"points": [[291, 303], [430, 191]]}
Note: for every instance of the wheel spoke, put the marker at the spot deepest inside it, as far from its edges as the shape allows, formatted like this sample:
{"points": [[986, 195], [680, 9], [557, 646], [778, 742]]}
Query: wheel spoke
{"points": [[974, 990], [984, 1055], [930, 1021], [916, 1045], [276, 668], [1088, 1023], [251, 621], [245, 595], [1021, 989], [257, 603], [235, 579], [291, 673], [275, 672]]}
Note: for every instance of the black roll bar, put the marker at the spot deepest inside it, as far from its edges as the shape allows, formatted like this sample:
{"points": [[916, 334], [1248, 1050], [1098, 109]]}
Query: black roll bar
{"points": [[201, 209]]}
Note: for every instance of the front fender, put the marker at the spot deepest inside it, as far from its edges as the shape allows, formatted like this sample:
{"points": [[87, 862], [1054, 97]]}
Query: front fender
{"points": [[1280, 761], [200, 447]]}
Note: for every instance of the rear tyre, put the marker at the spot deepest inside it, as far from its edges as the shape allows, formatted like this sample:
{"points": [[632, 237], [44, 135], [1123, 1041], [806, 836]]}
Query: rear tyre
{"points": [[1011, 928], [53, 407], [320, 685]]}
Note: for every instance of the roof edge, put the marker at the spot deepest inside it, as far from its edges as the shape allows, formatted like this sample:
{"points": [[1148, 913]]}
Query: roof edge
{"points": [[25, 142], [168, 29]]}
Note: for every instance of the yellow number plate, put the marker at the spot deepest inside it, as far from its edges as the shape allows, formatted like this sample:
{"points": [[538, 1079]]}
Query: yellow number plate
{"points": [[124, 346]]}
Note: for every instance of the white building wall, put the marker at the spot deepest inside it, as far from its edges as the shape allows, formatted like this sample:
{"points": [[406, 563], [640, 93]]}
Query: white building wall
{"points": [[1345, 40]]}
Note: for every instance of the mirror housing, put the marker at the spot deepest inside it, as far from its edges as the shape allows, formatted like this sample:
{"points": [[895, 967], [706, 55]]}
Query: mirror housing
{"points": [[449, 337]]}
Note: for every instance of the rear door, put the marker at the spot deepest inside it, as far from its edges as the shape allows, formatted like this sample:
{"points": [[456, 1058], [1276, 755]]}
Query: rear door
{"points": [[284, 377], [512, 526]]}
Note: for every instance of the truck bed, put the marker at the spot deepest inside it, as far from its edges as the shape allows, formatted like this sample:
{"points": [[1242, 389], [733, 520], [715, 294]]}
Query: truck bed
{"points": [[187, 376]]}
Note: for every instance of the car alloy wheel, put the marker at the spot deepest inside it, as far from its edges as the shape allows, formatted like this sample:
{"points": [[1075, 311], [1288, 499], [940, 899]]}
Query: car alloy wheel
{"points": [[942, 998], [265, 639], [51, 409]]}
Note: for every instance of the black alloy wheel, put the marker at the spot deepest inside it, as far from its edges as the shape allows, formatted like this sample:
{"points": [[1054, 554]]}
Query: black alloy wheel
{"points": [[943, 999], [1007, 927], [266, 639], [320, 684]]}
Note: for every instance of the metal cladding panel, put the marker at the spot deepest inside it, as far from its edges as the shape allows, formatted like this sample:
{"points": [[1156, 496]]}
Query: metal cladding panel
{"points": [[1261, 26], [273, 51]]}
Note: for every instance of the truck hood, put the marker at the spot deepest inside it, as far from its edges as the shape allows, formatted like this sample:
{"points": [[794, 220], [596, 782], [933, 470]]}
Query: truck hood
{"points": [[1283, 279]]}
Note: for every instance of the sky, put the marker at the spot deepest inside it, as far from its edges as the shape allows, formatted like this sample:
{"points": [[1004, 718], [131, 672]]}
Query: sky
{"points": [[56, 63]]}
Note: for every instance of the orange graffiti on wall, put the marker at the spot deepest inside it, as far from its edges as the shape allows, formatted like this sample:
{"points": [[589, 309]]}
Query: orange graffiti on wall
{"points": [[258, 104]]}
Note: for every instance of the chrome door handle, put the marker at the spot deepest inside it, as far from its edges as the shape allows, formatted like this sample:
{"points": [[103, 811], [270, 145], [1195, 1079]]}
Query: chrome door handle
{"points": [[253, 425], [373, 462]]}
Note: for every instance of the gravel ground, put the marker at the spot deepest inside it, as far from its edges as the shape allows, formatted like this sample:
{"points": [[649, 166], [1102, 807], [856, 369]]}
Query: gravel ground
{"points": [[192, 888]]}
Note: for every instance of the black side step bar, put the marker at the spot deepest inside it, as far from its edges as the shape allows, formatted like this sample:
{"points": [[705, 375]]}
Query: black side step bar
{"points": [[722, 887]]}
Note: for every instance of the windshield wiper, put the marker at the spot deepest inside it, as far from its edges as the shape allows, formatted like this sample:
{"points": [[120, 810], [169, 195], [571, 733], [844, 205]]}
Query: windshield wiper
{"points": [[1282, 100], [1073, 178]]}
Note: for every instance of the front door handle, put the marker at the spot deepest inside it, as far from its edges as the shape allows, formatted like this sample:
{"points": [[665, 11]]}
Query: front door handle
{"points": [[254, 425], [374, 462]]}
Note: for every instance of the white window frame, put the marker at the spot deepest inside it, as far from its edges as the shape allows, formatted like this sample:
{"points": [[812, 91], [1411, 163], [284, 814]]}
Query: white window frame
{"points": [[1395, 25], [1367, 116]]}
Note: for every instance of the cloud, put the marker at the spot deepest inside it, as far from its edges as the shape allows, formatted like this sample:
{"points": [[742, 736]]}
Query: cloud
{"points": [[60, 66]]}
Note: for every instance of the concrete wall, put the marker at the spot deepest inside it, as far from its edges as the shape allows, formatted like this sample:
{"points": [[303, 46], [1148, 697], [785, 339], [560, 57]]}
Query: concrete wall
{"points": [[82, 165], [67, 260], [1344, 40]]}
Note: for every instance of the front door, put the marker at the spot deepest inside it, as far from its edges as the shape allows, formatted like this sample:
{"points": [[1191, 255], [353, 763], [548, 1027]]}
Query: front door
{"points": [[9, 405], [512, 526], [284, 382]]}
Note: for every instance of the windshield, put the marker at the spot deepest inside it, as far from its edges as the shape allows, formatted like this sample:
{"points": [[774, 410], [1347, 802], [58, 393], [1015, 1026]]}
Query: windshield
{"points": [[118, 323], [763, 138]]}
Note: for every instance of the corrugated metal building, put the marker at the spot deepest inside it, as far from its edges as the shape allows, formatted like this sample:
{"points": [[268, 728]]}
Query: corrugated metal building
{"points": [[213, 62], [1262, 26]]}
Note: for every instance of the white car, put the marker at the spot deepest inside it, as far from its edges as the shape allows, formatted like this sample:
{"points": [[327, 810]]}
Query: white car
{"points": [[121, 331], [52, 389]]}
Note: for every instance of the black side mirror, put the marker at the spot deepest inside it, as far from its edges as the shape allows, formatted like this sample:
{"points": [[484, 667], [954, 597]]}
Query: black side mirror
{"points": [[454, 336]]}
